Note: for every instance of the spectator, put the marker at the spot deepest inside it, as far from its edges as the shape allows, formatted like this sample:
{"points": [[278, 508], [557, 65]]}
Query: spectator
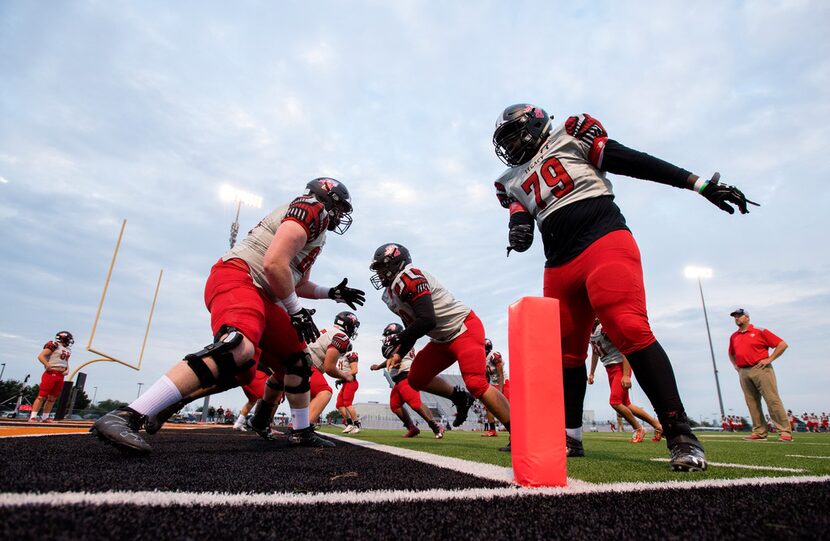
{"points": [[749, 353], [211, 414], [220, 415]]}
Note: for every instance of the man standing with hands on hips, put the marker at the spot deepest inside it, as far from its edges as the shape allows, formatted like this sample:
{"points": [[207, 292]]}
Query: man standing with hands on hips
{"points": [[749, 352]]}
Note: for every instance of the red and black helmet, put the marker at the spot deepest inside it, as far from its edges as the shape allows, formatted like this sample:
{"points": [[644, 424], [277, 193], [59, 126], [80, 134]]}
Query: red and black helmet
{"points": [[520, 131], [392, 328], [387, 262], [65, 338], [334, 195], [348, 323]]}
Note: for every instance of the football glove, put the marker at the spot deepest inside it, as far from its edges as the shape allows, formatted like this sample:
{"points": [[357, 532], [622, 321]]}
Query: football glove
{"points": [[338, 383], [348, 295], [520, 237], [724, 196], [304, 325]]}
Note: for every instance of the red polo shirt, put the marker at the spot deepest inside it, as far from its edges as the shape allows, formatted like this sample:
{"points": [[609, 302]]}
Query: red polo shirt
{"points": [[751, 346]]}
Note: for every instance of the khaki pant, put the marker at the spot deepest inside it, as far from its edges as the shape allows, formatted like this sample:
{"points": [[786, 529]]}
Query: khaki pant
{"points": [[757, 382]]}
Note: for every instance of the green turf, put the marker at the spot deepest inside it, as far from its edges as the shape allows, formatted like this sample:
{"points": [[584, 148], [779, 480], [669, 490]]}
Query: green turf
{"points": [[611, 458]]}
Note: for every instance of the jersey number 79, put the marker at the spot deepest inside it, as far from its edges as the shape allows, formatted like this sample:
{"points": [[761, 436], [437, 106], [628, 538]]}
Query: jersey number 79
{"points": [[555, 177]]}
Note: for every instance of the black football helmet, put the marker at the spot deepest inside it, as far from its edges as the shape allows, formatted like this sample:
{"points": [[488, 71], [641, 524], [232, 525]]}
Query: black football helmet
{"points": [[334, 195], [520, 131], [388, 261], [488, 346], [348, 323], [392, 328], [65, 338]]}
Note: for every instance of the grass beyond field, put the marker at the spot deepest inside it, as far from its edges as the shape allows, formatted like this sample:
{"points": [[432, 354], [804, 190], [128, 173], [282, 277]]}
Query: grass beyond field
{"points": [[611, 458]]}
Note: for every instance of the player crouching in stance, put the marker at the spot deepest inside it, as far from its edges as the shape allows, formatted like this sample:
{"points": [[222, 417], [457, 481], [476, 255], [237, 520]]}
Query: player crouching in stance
{"points": [[556, 177], [403, 393], [455, 333], [347, 364], [619, 380], [252, 296]]}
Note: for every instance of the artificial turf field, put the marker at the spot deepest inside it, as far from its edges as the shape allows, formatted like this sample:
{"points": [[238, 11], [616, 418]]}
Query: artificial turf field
{"points": [[213, 483]]}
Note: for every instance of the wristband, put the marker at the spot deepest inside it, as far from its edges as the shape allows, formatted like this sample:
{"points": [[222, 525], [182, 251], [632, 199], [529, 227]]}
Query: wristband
{"points": [[321, 292], [291, 303], [700, 184]]}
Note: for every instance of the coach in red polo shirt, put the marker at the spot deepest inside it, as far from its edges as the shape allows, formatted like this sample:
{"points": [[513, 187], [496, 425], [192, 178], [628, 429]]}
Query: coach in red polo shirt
{"points": [[749, 352]]}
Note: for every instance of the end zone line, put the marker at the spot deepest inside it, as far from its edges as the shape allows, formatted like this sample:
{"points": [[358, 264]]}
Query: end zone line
{"points": [[742, 466], [210, 499], [476, 469]]}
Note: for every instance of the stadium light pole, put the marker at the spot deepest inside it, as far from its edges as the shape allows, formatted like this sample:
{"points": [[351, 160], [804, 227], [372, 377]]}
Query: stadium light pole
{"points": [[94, 394], [697, 273], [240, 197], [2, 371], [139, 390]]}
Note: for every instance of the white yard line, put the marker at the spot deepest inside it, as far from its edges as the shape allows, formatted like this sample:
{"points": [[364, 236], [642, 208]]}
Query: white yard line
{"points": [[807, 456], [742, 466], [209, 499]]}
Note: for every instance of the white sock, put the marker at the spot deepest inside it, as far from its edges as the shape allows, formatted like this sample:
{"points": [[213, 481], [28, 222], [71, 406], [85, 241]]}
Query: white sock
{"points": [[44, 416], [299, 418], [239, 420], [575, 433], [161, 394], [33, 416]]}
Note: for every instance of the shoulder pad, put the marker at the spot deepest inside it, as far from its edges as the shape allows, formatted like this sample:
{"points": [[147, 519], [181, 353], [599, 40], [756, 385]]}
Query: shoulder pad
{"points": [[411, 284], [309, 213], [585, 128], [50, 345], [340, 342]]}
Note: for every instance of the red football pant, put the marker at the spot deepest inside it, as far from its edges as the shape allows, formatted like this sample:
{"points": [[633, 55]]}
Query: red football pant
{"points": [[345, 397], [605, 280], [51, 383], [318, 382], [233, 299], [467, 349], [403, 393], [256, 387], [619, 394]]}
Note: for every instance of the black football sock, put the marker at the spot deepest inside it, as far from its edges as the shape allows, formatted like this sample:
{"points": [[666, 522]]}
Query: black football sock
{"points": [[654, 373], [575, 381], [348, 421], [433, 425]]}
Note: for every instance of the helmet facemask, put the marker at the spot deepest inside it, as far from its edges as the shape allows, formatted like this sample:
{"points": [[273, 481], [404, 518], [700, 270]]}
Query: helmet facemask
{"points": [[520, 132]]}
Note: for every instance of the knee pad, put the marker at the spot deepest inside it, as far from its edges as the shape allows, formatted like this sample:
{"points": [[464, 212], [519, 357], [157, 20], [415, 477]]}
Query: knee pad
{"points": [[299, 364], [476, 384], [221, 351], [275, 385]]}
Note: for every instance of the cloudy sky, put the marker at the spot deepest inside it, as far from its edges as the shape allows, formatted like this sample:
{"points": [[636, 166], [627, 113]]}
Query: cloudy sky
{"points": [[116, 110]]}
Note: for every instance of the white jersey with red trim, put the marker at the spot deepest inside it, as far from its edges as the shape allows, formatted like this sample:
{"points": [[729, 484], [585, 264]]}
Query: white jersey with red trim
{"points": [[306, 211], [494, 361], [564, 171], [403, 366], [344, 362], [59, 358], [336, 339], [606, 351], [412, 283]]}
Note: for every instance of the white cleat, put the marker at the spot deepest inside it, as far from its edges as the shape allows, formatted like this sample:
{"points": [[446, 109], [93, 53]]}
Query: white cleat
{"points": [[348, 429]]}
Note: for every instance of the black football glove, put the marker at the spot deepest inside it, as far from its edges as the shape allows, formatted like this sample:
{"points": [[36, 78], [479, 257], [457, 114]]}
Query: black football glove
{"points": [[520, 237], [348, 295], [304, 325], [390, 345], [338, 383], [723, 196]]}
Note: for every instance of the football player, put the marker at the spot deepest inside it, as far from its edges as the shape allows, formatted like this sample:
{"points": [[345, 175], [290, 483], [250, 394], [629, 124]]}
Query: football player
{"points": [[403, 393], [455, 332], [495, 375], [556, 177], [253, 390], [55, 360], [619, 380], [347, 364], [252, 295]]}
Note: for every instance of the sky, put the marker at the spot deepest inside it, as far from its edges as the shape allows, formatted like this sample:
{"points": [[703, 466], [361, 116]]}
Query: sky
{"points": [[115, 110]]}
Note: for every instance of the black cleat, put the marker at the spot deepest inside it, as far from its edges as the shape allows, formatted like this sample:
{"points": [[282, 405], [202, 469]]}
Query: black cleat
{"points": [[463, 402], [686, 454], [306, 437], [153, 424], [260, 421], [573, 447], [119, 428], [506, 448]]}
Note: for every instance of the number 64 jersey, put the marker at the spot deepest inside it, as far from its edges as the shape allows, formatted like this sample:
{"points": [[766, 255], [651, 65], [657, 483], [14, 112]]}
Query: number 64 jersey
{"points": [[566, 169]]}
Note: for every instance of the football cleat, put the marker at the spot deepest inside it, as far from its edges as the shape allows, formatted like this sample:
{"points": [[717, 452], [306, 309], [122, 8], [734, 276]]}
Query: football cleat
{"points": [[463, 401], [658, 435], [686, 454], [754, 437], [348, 429], [439, 432], [507, 448], [785, 437], [240, 427], [153, 424], [355, 430], [260, 421], [119, 428], [639, 435], [33, 419], [412, 432], [573, 447], [306, 437]]}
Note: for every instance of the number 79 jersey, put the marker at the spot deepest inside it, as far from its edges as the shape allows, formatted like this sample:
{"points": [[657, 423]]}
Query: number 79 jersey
{"points": [[564, 170]]}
